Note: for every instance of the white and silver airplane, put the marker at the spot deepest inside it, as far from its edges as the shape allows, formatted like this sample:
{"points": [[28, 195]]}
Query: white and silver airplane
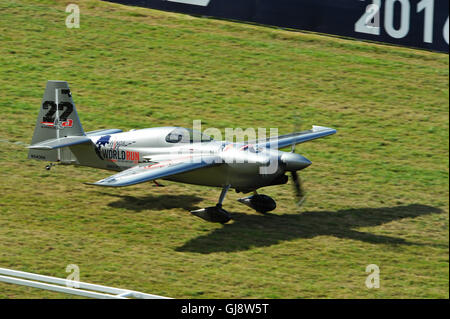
{"points": [[168, 153]]}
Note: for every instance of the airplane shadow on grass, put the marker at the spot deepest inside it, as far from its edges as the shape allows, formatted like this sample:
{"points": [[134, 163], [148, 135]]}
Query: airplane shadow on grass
{"points": [[253, 230], [155, 202], [249, 231]]}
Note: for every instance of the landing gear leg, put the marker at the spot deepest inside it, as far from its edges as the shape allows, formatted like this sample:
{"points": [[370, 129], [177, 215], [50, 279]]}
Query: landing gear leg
{"points": [[215, 214], [156, 184], [222, 195]]}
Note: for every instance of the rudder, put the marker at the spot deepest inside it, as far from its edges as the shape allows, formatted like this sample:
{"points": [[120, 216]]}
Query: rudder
{"points": [[57, 118]]}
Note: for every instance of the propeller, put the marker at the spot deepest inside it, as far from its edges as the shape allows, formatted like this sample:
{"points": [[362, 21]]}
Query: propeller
{"points": [[299, 190]]}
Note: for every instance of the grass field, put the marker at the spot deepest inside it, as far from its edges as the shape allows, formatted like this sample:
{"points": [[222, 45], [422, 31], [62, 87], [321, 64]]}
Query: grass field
{"points": [[377, 191]]}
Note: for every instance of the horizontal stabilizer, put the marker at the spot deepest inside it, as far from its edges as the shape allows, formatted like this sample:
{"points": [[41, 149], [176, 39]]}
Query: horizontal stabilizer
{"points": [[60, 142]]}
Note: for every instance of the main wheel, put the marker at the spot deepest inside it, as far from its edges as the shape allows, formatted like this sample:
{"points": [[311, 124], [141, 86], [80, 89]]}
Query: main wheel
{"points": [[263, 203], [214, 214]]}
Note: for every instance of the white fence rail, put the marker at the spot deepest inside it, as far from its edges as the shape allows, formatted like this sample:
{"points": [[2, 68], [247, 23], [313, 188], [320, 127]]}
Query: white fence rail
{"points": [[66, 286]]}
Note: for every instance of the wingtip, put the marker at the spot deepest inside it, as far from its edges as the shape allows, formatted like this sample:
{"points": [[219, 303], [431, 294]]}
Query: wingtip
{"points": [[103, 184], [90, 184], [34, 147], [317, 128]]}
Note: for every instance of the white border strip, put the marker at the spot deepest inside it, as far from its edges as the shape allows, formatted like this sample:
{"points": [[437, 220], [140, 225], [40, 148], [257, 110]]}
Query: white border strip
{"points": [[64, 286]]}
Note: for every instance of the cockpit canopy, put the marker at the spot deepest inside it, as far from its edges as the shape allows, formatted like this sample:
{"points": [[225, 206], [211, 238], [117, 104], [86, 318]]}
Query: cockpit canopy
{"points": [[185, 135], [249, 148]]}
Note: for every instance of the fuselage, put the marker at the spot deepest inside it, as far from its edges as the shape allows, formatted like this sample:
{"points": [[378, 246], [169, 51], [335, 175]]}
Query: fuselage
{"points": [[242, 166]]}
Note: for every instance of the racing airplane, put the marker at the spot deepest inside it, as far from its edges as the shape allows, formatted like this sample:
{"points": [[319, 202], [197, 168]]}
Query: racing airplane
{"points": [[169, 153]]}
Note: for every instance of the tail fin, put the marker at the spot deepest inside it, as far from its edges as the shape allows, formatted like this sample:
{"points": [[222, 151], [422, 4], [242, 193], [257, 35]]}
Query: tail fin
{"points": [[57, 118]]}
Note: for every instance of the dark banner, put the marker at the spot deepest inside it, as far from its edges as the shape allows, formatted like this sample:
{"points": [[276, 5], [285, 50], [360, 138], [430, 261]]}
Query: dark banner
{"points": [[415, 23]]}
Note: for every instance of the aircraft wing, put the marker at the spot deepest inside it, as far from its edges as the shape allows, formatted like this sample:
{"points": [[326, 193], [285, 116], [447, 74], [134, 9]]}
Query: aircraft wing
{"points": [[296, 138], [148, 172]]}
